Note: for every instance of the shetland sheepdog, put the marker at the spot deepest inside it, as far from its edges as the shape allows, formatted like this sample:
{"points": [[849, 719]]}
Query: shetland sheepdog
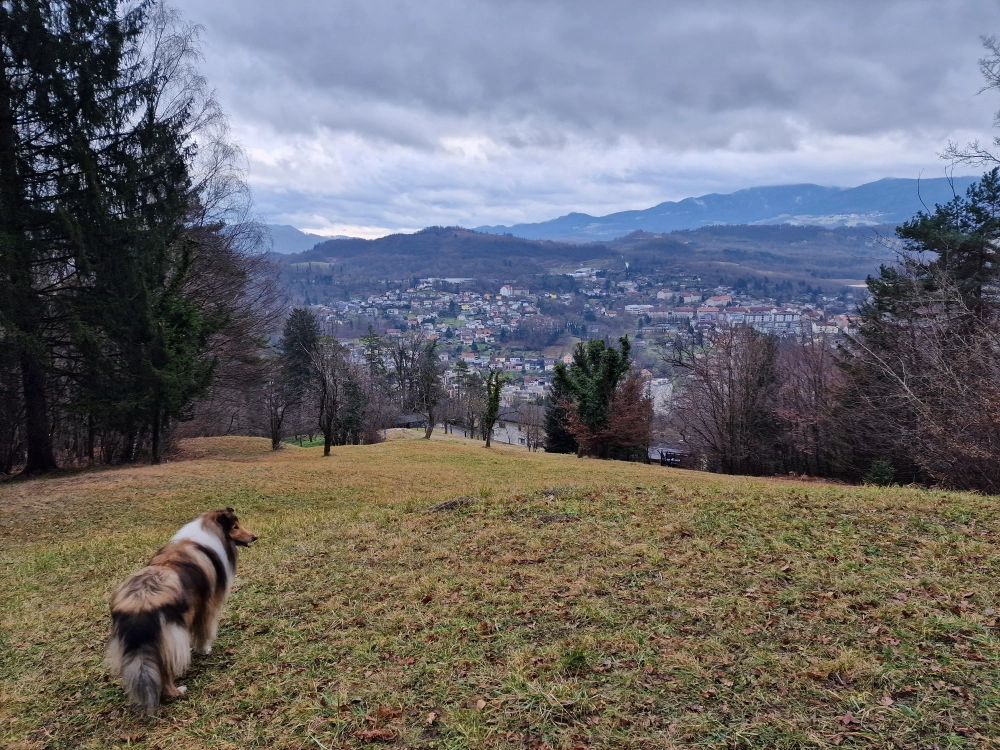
{"points": [[172, 605]]}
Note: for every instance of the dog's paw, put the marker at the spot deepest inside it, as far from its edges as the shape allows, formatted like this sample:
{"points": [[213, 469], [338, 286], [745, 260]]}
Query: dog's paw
{"points": [[205, 650], [181, 689]]}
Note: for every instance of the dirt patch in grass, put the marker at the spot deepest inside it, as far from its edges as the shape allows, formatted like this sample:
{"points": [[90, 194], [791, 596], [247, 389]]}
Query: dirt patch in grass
{"points": [[458, 502], [676, 610]]}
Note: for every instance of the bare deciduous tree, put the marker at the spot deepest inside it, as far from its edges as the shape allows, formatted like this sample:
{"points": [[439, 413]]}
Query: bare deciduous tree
{"points": [[329, 370], [725, 405], [808, 382], [277, 401], [531, 418], [426, 387]]}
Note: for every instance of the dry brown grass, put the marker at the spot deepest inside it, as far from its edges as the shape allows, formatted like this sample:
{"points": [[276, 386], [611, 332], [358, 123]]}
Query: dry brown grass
{"points": [[576, 603]]}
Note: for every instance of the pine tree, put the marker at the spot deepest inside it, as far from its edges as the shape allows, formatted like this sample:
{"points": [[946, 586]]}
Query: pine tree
{"points": [[963, 236], [558, 438], [60, 66], [592, 383], [299, 341], [95, 194]]}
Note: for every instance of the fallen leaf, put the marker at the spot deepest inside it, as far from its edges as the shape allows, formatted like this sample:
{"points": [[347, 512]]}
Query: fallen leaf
{"points": [[480, 704], [848, 719], [432, 717], [427, 599], [385, 712], [886, 700]]}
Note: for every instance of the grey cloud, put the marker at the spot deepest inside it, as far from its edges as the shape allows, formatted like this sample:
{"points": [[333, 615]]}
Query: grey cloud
{"points": [[544, 77], [599, 66]]}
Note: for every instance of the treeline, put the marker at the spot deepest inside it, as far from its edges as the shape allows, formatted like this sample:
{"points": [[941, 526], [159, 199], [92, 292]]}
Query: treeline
{"points": [[914, 396], [130, 272], [313, 385]]}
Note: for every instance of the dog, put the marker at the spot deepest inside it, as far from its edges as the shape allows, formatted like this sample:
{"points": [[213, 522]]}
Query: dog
{"points": [[173, 605]]}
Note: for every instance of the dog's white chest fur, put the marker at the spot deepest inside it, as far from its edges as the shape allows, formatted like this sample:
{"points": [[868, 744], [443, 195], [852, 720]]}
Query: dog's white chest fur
{"points": [[197, 533]]}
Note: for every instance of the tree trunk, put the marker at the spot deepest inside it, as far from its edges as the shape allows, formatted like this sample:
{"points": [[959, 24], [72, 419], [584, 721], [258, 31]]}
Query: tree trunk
{"points": [[41, 458], [90, 438], [155, 450], [327, 442], [275, 424]]}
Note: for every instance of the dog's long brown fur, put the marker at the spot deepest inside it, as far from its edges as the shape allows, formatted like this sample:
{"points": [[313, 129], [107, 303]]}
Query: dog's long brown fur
{"points": [[173, 604]]}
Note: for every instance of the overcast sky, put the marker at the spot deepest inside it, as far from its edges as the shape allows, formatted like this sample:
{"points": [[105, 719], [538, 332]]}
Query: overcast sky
{"points": [[373, 116]]}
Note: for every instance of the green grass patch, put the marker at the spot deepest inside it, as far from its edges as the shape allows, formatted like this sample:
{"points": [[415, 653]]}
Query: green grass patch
{"points": [[305, 441]]}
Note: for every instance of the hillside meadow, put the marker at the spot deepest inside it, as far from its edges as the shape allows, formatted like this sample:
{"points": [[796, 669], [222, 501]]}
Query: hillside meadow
{"points": [[562, 603]]}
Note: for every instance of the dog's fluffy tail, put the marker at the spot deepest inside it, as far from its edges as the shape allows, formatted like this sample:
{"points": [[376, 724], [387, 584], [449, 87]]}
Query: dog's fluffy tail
{"points": [[143, 650], [140, 671]]}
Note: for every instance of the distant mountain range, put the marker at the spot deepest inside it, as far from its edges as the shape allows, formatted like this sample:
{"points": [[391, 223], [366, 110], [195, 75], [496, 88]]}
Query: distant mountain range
{"points": [[287, 239], [887, 201]]}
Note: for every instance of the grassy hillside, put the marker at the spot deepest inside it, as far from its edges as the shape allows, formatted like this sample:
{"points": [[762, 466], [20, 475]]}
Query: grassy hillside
{"points": [[575, 604]]}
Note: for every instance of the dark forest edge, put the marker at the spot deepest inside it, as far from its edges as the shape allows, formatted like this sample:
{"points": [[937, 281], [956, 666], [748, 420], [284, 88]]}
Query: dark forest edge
{"points": [[131, 272]]}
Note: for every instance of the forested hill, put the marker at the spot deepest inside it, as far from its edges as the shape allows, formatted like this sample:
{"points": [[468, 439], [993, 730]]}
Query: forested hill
{"points": [[446, 252], [722, 254]]}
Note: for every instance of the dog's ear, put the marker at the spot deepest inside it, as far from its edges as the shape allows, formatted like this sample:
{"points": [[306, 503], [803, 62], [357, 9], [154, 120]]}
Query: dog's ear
{"points": [[227, 518]]}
